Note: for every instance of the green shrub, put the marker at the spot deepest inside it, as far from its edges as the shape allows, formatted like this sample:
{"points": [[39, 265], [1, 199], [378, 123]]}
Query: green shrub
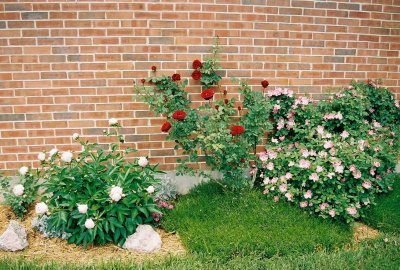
{"points": [[96, 196]]}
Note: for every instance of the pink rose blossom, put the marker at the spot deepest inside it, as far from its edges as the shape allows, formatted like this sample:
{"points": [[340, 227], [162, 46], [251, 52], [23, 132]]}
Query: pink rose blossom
{"points": [[276, 109], [263, 156], [314, 177], [289, 175], [367, 184], [270, 166], [377, 164], [276, 198], [266, 191], [339, 169], [274, 140], [283, 188], [281, 138], [319, 169], [289, 196], [332, 213], [323, 206], [281, 124], [320, 130], [352, 211], [304, 164], [308, 194], [266, 181], [344, 134], [272, 154], [274, 180], [353, 168], [372, 172], [303, 204], [357, 174], [328, 144]]}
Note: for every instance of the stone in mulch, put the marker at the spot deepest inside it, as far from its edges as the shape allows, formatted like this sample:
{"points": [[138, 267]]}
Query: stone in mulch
{"points": [[145, 239], [14, 238]]}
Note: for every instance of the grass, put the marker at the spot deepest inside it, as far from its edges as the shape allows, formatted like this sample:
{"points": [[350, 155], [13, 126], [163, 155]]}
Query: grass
{"points": [[385, 216], [374, 254], [226, 225]]}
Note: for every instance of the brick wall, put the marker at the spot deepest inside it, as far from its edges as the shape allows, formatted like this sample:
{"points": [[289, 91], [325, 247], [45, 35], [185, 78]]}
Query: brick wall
{"points": [[68, 66]]}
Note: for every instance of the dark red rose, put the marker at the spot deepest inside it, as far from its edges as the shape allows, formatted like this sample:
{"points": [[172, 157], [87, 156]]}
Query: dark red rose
{"points": [[243, 160], [207, 94], [197, 64], [237, 130], [166, 127], [239, 108], [216, 107], [226, 101], [196, 75], [154, 68], [225, 92], [142, 81], [176, 77], [264, 83], [179, 115]]}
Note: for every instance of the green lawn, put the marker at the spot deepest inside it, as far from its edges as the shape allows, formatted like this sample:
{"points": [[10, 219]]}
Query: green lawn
{"points": [[385, 216], [229, 224]]}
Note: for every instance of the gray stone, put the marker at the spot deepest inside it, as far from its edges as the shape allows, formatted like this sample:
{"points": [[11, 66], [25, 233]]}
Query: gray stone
{"points": [[14, 238], [145, 239]]}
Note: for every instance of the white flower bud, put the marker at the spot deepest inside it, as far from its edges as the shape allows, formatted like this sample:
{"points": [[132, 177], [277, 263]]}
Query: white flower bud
{"points": [[53, 152], [89, 223], [82, 208], [75, 136], [116, 193], [41, 156], [66, 157], [112, 122], [143, 161], [23, 170], [41, 208], [150, 189], [18, 190]]}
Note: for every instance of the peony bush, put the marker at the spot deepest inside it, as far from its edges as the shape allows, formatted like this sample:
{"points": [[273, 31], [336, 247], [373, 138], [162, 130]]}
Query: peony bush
{"points": [[96, 196], [334, 157]]}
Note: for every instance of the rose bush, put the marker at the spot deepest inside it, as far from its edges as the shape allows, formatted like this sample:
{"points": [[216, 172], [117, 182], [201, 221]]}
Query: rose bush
{"points": [[96, 196], [332, 158]]}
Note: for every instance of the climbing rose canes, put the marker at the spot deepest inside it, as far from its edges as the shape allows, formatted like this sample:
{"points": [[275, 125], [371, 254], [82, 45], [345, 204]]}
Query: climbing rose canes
{"points": [[179, 115], [207, 94], [237, 130], [166, 127]]}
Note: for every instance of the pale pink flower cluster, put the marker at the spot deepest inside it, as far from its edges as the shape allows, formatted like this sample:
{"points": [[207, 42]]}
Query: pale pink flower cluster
{"points": [[308, 194], [352, 211], [304, 164], [328, 144], [303, 204], [314, 177], [323, 206], [289, 196], [331, 116], [367, 184], [280, 91], [281, 124], [283, 188], [263, 156], [276, 109], [270, 166]]}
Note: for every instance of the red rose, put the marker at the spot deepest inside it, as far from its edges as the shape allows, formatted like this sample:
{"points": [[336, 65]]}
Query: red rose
{"points": [[264, 83], [239, 108], [225, 92], [196, 75], [142, 81], [216, 107], [243, 160], [154, 68], [176, 77], [179, 115], [207, 94], [197, 64], [226, 101], [166, 127], [237, 130]]}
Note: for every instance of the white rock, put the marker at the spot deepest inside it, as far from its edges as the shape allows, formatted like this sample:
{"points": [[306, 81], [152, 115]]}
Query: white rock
{"points": [[14, 238], [145, 239]]}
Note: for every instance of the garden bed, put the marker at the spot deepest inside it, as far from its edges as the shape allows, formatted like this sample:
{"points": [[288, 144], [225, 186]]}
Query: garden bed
{"points": [[55, 249]]}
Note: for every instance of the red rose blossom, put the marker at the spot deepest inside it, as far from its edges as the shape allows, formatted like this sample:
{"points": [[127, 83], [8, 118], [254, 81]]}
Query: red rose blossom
{"points": [[207, 94], [264, 83], [237, 130], [179, 115], [166, 127], [176, 77], [243, 160], [216, 107], [226, 101], [154, 68], [225, 92], [239, 108], [196, 75], [142, 81], [197, 64]]}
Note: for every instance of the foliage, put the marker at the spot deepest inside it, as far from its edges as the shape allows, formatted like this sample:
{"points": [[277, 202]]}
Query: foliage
{"points": [[41, 225], [20, 196], [209, 67], [333, 158], [208, 127], [97, 196], [227, 225], [385, 215]]}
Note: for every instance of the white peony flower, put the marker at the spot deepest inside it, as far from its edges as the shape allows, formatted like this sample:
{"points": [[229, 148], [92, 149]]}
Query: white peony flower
{"points": [[53, 152], [23, 170], [82, 208], [18, 190], [150, 189], [41, 208], [89, 223], [143, 161], [75, 136], [116, 193], [41, 156], [67, 156], [112, 122]]}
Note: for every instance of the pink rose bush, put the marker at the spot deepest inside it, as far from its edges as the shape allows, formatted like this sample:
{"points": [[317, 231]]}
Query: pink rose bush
{"points": [[340, 153]]}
